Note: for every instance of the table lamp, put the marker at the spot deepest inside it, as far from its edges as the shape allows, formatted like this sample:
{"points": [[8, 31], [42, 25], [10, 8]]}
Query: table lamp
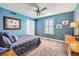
{"points": [[74, 25]]}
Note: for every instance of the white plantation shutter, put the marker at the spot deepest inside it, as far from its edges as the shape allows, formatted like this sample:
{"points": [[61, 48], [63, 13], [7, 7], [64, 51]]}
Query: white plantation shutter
{"points": [[49, 26], [30, 27], [46, 26], [33, 27]]}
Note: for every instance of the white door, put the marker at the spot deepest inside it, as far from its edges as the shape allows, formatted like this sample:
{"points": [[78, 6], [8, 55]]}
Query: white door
{"points": [[30, 27]]}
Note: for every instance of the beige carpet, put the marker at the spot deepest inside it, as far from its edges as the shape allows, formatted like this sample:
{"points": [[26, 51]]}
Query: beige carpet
{"points": [[49, 48]]}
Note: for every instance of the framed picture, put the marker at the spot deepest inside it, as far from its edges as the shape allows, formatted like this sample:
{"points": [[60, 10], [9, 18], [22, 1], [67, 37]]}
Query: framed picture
{"points": [[11, 23], [65, 22], [59, 26]]}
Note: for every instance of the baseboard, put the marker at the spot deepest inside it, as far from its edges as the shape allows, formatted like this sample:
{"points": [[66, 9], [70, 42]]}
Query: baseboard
{"points": [[51, 39]]}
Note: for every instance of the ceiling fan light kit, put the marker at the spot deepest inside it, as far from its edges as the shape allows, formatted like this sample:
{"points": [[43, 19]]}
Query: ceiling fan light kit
{"points": [[38, 10]]}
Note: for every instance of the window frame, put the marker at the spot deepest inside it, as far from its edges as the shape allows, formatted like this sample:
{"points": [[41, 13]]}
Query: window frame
{"points": [[49, 26]]}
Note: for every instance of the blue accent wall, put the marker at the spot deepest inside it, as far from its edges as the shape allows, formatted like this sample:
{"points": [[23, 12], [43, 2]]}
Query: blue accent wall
{"points": [[75, 15], [5, 12], [58, 33], [39, 24]]}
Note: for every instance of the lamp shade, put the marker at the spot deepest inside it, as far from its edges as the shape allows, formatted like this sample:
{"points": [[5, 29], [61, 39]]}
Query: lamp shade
{"points": [[72, 25]]}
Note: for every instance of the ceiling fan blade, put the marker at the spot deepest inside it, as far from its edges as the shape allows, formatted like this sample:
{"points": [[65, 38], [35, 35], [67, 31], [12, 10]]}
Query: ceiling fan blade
{"points": [[45, 8], [33, 4], [42, 13]]}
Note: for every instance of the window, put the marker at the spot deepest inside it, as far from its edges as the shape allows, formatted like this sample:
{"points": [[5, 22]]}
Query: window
{"points": [[49, 28], [30, 27]]}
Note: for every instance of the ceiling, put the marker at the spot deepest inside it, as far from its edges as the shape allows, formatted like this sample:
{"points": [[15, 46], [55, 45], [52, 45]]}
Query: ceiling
{"points": [[27, 8]]}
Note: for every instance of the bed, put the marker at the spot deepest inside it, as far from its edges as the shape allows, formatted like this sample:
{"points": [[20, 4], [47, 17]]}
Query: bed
{"points": [[25, 44]]}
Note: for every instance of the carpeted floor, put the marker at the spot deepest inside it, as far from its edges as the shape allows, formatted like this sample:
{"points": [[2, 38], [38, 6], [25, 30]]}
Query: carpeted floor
{"points": [[49, 48]]}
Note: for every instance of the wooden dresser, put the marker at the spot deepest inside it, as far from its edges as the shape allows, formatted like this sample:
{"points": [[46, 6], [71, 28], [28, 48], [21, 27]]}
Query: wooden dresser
{"points": [[71, 44], [9, 53]]}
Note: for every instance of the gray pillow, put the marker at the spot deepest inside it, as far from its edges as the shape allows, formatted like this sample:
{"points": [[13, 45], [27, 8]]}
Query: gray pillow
{"points": [[6, 41], [9, 36], [15, 37], [3, 49]]}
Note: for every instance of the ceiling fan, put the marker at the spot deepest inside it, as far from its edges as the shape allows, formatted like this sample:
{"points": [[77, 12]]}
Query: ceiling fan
{"points": [[38, 10]]}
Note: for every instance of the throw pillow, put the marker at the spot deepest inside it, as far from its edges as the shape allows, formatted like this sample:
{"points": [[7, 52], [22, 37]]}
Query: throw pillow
{"points": [[6, 41], [15, 37], [9, 36], [2, 41], [2, 50]]}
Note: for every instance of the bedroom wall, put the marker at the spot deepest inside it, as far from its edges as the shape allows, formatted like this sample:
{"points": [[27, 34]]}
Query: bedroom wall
{"points": [[58, 33], [5, 12], [75, 15]]}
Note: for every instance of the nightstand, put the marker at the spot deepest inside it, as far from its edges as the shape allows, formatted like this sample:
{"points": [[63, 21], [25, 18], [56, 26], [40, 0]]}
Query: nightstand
{"points": [[9, 53]]}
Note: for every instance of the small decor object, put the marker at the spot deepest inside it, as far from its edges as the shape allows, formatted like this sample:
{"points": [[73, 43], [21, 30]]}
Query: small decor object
{"points": [[59, 26], [65, 26], [77, 37], [65, 22], [11, 23]]}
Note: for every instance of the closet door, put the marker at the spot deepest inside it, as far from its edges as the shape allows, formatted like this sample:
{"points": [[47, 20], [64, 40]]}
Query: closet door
{"points": [[30, 27]]}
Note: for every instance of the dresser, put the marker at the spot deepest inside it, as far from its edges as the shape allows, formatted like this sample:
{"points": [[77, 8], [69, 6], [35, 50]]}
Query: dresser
{"points": [[71, 44]]}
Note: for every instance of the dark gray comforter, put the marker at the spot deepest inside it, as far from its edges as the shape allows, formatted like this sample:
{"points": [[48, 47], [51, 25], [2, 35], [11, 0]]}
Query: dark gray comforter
{"points": [[25, 43]]}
